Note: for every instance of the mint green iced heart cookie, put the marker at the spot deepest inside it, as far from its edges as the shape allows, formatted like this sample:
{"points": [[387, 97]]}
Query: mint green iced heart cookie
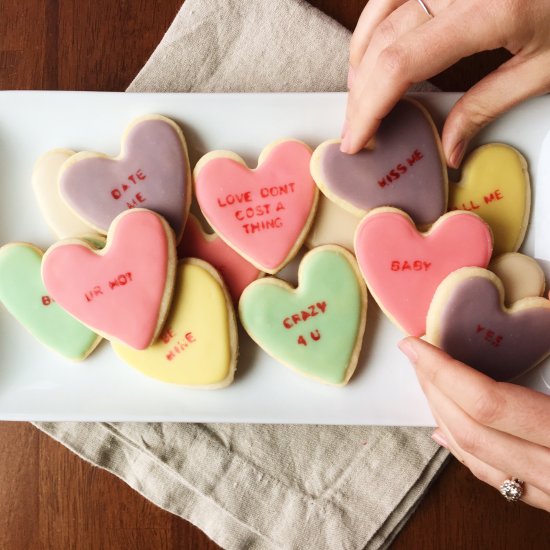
{"points": [[317, 328], [24, 296]]}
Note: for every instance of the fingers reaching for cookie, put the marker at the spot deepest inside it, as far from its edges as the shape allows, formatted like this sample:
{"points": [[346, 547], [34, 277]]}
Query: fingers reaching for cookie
{"points": [[495, 429], [397, 44]]}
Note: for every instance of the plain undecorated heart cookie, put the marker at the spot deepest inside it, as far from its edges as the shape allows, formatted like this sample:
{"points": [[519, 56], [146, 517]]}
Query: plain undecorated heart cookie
{"points": [[59, 217], [123, 291], [332, 225], [495, 185], [469, 321], [404, 169], [403, 267], [264, 214], [520, 275], [152, 171], [317, 328], [25, 297], [198, 345], [237, 273]]}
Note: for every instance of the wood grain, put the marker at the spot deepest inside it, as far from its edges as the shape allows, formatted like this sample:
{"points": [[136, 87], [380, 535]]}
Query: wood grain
{"points": [[49, 498]]}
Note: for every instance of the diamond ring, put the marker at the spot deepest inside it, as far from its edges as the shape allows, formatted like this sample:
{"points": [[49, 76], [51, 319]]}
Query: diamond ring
{"points": [[512, 489]]}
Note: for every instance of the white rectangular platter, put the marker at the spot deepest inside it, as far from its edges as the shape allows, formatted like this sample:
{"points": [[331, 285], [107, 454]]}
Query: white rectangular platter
{"points": [[35, 384]]}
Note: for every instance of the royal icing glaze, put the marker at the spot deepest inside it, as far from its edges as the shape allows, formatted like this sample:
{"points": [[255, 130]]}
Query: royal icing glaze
{"points": [[264, 213], [60, 218], [404, 169], [152, 171], [25, 297], [236, 272], [123, 291], [317, 328], [198, 344], [469, 321], [495, 185], [520, 275], [332, 225], [403, 267]]}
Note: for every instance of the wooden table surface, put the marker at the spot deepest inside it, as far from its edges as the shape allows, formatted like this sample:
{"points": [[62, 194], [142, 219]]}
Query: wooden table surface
{"points": [[49, 498]]}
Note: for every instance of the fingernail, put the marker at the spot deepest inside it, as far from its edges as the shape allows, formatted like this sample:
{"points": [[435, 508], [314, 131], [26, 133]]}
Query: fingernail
{"points": [[408, 349], [351, 76], [344, 129], [440, 439], [458, 153], [346, 142]]}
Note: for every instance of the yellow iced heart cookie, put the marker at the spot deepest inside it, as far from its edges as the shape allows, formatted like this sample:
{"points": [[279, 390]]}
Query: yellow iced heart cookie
{"points": [[198, 345], [495, 185]]}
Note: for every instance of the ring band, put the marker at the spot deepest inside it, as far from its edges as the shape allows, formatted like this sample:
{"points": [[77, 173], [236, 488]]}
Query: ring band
{"points": [[512, 489], [425, 8]]}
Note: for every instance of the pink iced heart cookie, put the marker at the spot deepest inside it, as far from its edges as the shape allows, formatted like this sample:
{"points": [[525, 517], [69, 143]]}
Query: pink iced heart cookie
{"points": [[403, 267], [152, 171], [122, 292], [404, 169], [236, 272], [468, 319], [264, 214]]}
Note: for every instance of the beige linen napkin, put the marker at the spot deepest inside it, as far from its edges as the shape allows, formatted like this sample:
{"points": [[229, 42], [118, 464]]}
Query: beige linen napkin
{"points": [[246, 486]]}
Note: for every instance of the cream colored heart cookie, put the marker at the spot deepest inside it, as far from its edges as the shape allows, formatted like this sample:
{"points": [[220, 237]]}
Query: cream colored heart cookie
{"points": [[332, 225], [495, 186], [521, 276], [198, 345], [60, 218]]}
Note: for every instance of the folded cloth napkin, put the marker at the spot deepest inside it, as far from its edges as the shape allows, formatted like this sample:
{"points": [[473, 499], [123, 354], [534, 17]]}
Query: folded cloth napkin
{"points": [[262, 486]]}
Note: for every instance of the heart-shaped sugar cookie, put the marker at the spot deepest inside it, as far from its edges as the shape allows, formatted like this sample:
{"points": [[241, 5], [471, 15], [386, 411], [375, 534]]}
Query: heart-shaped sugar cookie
{"points": [[264, 214], [59, 217], [332, 225], [520, 275], [403, 267], [25, 297], [316, 329], [198, 344], [123, 291], [236, 272], [495, 185], [152, 171], [468, 320], [405, 169]]}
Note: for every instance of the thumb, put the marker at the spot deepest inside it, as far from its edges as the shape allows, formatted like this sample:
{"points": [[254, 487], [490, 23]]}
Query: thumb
{"points": [[504, 88]]}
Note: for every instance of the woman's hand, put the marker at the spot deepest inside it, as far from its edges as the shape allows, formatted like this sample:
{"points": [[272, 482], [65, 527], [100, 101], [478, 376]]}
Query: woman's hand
{"points": [[497, 430], [396, 43]]}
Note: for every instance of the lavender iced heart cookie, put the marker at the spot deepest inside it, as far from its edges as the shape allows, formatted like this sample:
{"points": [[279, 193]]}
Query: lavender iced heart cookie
{"points": [[468, 319], [405, 169], [152, 171]]}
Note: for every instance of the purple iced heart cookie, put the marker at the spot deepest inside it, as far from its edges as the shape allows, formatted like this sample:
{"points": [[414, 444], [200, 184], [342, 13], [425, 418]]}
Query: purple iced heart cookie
{"points": [[406, 168], [468, 319], [152, 171]]}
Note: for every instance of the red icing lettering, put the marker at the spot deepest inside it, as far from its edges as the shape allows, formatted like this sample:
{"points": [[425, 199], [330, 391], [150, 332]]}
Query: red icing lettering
{"points": [[121, 189], [277, 190], [280, 206], [46, 300], [315, 335], [251, 228], [96, 291], [469, 206], [120, 280], [167, 335], [116, 194], [311, 311], [489, 336], [180, 346], [233, 198], [495, 196], [251, 212], [302, 341], [416, 156], [413, 265]]}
